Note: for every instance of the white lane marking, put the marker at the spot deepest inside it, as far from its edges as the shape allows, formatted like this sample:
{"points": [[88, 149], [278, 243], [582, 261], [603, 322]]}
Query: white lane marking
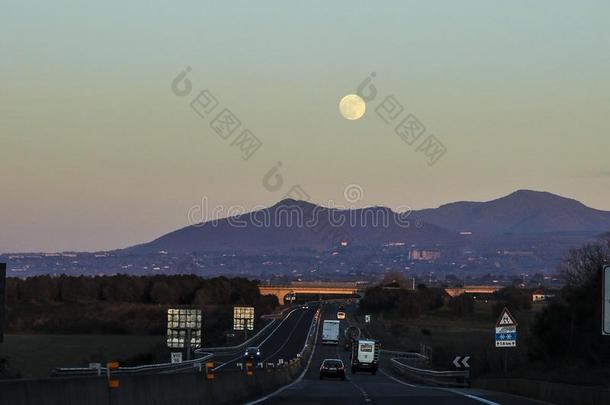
{"points": [[296, 325], [364, 393], [483, 400], [261, 343], [298, 380]]}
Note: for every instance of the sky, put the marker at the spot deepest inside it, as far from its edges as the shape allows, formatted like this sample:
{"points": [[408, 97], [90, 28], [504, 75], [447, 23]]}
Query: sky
{"points": [[98, 150]]}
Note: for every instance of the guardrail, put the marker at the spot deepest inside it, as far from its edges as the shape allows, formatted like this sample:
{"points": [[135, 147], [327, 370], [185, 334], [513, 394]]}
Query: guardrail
{"points": [[446, 378], [404, 355], [145, 369]]}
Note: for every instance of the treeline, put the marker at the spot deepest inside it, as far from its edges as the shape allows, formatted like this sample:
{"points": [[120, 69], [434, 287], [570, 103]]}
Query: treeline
{"points": [[178, 290], [568, 331], [125, 304], [401, 302], [395, 299]]}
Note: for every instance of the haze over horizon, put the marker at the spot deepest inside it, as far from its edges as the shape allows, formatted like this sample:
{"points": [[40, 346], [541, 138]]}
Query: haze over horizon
{"points": [[98, 153]]}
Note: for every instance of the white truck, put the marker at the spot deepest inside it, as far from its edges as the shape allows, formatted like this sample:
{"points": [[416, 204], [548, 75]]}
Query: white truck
{"points": [[330, 332], [365, 355]]}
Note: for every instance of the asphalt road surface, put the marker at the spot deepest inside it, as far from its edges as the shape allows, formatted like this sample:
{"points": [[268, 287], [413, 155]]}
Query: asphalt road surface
{"points": [[282, 341], [367, 389]]}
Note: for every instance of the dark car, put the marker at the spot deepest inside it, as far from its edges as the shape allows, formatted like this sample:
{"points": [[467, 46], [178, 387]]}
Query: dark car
{"points": [[332, 368], [252, 353]]}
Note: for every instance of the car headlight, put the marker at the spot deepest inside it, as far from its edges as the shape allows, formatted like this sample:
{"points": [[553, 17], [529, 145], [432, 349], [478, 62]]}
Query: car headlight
{"points": [[258, 353], [246, 353]]}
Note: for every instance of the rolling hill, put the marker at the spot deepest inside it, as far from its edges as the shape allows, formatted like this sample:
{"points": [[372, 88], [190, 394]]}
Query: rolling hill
{"points": [[292, 224]]}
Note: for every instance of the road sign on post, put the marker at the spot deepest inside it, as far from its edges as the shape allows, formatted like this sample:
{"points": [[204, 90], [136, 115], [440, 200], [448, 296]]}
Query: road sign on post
{"points": [[184, 329], [367, 319], [176, 357], [606, 302], [243, 318], [506, 330]]}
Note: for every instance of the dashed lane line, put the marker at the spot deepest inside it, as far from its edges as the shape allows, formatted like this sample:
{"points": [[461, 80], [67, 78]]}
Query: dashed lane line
{"points": [[261, 343], [298, 380]]}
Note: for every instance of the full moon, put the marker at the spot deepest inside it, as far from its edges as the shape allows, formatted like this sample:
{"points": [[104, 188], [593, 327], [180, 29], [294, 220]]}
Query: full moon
{"points": [[352, 107]]}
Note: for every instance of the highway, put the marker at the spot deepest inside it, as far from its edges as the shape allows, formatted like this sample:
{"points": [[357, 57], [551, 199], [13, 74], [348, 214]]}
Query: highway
{"points": [[367, 389], [281, 342]]}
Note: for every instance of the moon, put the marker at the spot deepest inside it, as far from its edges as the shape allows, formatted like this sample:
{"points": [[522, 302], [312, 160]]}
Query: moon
{"points": [[352, 107]]}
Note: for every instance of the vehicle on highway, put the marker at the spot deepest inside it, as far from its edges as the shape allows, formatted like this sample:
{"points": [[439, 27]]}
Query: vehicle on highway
{"points": [[340, 315], [332, 368], [365, 355], [330, 332], [252, 353], [305, 306]]}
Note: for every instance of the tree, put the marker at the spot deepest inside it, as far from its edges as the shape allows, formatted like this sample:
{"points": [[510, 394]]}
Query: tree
{"points": [[162, 293], [570, 326], [461, 305], [513, 298]]}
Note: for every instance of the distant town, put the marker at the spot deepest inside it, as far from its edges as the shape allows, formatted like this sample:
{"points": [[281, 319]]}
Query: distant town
{"points": [[438, 266]]}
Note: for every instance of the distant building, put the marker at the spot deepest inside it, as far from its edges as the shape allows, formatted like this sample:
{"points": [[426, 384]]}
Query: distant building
{"points": [[424, 254], [542, 295], [518, 253]]}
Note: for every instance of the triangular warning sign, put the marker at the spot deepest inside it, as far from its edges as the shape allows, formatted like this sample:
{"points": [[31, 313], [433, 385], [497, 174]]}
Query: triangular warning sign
{"points": [[506, 319]]}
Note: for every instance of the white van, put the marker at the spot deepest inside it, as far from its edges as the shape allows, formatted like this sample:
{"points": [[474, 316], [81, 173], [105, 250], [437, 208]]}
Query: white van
{"points": [[365, 355]]}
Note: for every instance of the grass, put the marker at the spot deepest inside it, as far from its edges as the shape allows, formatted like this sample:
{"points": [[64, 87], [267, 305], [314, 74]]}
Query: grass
{"points": [[36, 355]]}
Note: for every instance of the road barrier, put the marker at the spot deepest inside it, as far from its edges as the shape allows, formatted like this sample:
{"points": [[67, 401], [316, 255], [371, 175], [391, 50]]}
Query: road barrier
{"points": [[444, 378], [414, 356], [162, 368]]}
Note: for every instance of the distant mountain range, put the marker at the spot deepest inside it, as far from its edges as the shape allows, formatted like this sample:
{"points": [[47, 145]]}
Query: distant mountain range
{"points": [[522, 212], [292, 224]]}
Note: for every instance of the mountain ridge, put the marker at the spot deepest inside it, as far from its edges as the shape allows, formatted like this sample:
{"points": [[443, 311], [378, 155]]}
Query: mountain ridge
{"points": [[521, 212]]}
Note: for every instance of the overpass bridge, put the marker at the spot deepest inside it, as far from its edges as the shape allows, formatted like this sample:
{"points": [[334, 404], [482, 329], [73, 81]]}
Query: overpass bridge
{"points": [[311, 288], [473, 289]]}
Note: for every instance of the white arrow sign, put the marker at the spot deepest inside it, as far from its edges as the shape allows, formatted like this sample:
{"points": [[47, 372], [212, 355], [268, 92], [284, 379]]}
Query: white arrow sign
{"points": [[459, 361]]}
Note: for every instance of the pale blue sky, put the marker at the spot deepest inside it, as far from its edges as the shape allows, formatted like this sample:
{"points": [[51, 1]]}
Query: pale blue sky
{"points": [[98, 153]]}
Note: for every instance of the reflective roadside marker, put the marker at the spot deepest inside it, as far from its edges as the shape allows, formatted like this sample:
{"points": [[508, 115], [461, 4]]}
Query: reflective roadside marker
{"points": [[249, 368], [112, 383], [209, 369], [113, 365]]}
